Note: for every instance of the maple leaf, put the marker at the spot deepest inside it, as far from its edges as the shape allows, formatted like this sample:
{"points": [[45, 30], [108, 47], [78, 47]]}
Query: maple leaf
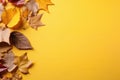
{"points": [[33, 6], [20, 41], [23, 63], [35, 22], [9, 61], [44, 4]]}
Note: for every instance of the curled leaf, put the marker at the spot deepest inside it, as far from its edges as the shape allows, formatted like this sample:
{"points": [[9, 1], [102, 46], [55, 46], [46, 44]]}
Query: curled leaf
{"points": [[20, 41], [8, 14], [5, 40]]}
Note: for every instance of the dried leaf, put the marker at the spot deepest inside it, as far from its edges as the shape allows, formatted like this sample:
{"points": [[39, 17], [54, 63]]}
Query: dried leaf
{"points": [[20, 41], [35, 22], [32, 6], [9, 61], [14, 76], [3, 2], [4, 47], [4, 40], [23, 63], [15, 22], [1, 9], [8, 14], [2, 68], [5, 35], [44, 4], [17, 2]]}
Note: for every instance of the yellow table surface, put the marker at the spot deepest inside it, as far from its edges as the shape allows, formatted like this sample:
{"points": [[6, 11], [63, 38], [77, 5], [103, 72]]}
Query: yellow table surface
{"points": [[81, 41]]}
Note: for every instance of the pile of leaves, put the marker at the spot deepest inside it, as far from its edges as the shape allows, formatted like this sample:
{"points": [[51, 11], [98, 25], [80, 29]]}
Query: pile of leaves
{"points": [[16, 15]]}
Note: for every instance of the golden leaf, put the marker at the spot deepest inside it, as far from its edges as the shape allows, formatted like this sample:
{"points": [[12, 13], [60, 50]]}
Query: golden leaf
{"points": [[44, 4], [7, 15]]}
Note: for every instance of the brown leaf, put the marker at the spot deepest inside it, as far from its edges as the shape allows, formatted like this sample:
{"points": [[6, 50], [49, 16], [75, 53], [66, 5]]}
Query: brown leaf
{"points": [[4, 47], [9, 61], [2, 69], [4, 40], [20, 41], [5, 35], [23, 63], [32, 6], [35, 22]]}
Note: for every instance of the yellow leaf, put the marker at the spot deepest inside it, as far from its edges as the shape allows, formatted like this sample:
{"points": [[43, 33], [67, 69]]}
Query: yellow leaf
{"points": [[44, 4], [7, 15], [15, 22]]}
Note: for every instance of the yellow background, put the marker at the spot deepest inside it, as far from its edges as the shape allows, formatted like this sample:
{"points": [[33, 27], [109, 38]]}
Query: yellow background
{"points": [[81, 41]]}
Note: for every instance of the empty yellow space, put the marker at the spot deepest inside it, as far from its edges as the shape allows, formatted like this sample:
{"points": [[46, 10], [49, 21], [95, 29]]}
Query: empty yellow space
{"points": [[81, 41]]}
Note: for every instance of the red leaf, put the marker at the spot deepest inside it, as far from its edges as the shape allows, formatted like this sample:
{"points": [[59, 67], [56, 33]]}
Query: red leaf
{"points": [[2, 69]]}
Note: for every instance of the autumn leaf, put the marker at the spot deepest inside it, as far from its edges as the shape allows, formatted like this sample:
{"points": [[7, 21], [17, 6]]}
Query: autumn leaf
{"points": [[4, 47], [14, 76], [5, 35], [5, 40], [17, 2], [35, 22], [23, 63], [1, 10], [9, 61], [8, 14], [3, 2], [15, 22], [24, 12], [2, 69], [20, 41], [44, 4], [32, 6]]}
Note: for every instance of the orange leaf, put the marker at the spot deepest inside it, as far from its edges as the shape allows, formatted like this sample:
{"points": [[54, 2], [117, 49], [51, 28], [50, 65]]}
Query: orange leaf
{"points": [[7, 15], [44, 4]]}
